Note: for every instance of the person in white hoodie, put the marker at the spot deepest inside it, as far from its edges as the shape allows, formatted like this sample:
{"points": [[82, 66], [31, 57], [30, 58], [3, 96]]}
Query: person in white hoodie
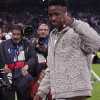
{"points": [[70, 46]]}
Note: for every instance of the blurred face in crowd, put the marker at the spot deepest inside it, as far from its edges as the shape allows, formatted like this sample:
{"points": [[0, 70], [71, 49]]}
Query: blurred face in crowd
{"points": [[57, 15], [1, 34], [43, 30], [16, 35]]}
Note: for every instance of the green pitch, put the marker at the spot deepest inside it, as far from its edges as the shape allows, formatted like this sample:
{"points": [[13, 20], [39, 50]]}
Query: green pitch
{"points": [[96, 85]]}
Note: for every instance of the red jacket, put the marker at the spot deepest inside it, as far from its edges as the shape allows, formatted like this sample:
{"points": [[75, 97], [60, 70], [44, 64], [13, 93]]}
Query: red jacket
{"points": [[17, 65]]}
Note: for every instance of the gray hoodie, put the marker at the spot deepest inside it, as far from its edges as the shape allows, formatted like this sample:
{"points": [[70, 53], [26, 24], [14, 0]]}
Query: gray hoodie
{"points": [[68, 73]]}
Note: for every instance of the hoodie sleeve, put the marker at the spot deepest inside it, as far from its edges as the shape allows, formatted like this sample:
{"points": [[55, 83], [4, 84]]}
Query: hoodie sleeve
{"points": [[44, 87], [90, 39]]}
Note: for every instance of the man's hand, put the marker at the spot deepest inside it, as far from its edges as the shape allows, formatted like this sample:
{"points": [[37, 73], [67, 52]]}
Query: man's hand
{"points": [[25, 70], [41, 76], [69, 20], [37, 97], [6, 69]]}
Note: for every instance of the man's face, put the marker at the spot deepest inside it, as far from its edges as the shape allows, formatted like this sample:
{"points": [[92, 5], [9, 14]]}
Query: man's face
{"points": [[56, 15], [43, 30], [16, 35]]}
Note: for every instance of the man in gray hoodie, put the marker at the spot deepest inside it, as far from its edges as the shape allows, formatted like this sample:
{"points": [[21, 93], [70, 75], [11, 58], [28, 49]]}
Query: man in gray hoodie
{"points": [[70, 46]]}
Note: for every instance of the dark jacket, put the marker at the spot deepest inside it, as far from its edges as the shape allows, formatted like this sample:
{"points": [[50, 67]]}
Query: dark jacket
{"points": [[30, 55]]}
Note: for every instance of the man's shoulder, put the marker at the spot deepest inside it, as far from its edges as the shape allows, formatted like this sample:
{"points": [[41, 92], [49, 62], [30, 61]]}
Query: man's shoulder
{"points": [[6, 42], [78, 22]]}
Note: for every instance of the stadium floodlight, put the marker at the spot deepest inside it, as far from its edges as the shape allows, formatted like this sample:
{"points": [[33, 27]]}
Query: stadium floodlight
{"points": [[43, 0]]}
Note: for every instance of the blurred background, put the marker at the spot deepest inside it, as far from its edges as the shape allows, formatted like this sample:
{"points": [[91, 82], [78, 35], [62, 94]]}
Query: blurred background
{"points": [[29, 12]]}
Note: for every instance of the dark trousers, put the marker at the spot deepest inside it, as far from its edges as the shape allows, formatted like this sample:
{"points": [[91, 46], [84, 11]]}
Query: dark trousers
{"points": [[21, 85]]}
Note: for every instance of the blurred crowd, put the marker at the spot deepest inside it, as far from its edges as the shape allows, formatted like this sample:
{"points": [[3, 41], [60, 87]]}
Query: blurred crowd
{"points": [[31, 19]]}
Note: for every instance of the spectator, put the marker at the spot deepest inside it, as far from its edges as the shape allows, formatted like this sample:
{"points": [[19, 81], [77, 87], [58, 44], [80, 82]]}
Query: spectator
{"points": [[41, 42], [19, 58], [41, 46], [28, 32]]}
